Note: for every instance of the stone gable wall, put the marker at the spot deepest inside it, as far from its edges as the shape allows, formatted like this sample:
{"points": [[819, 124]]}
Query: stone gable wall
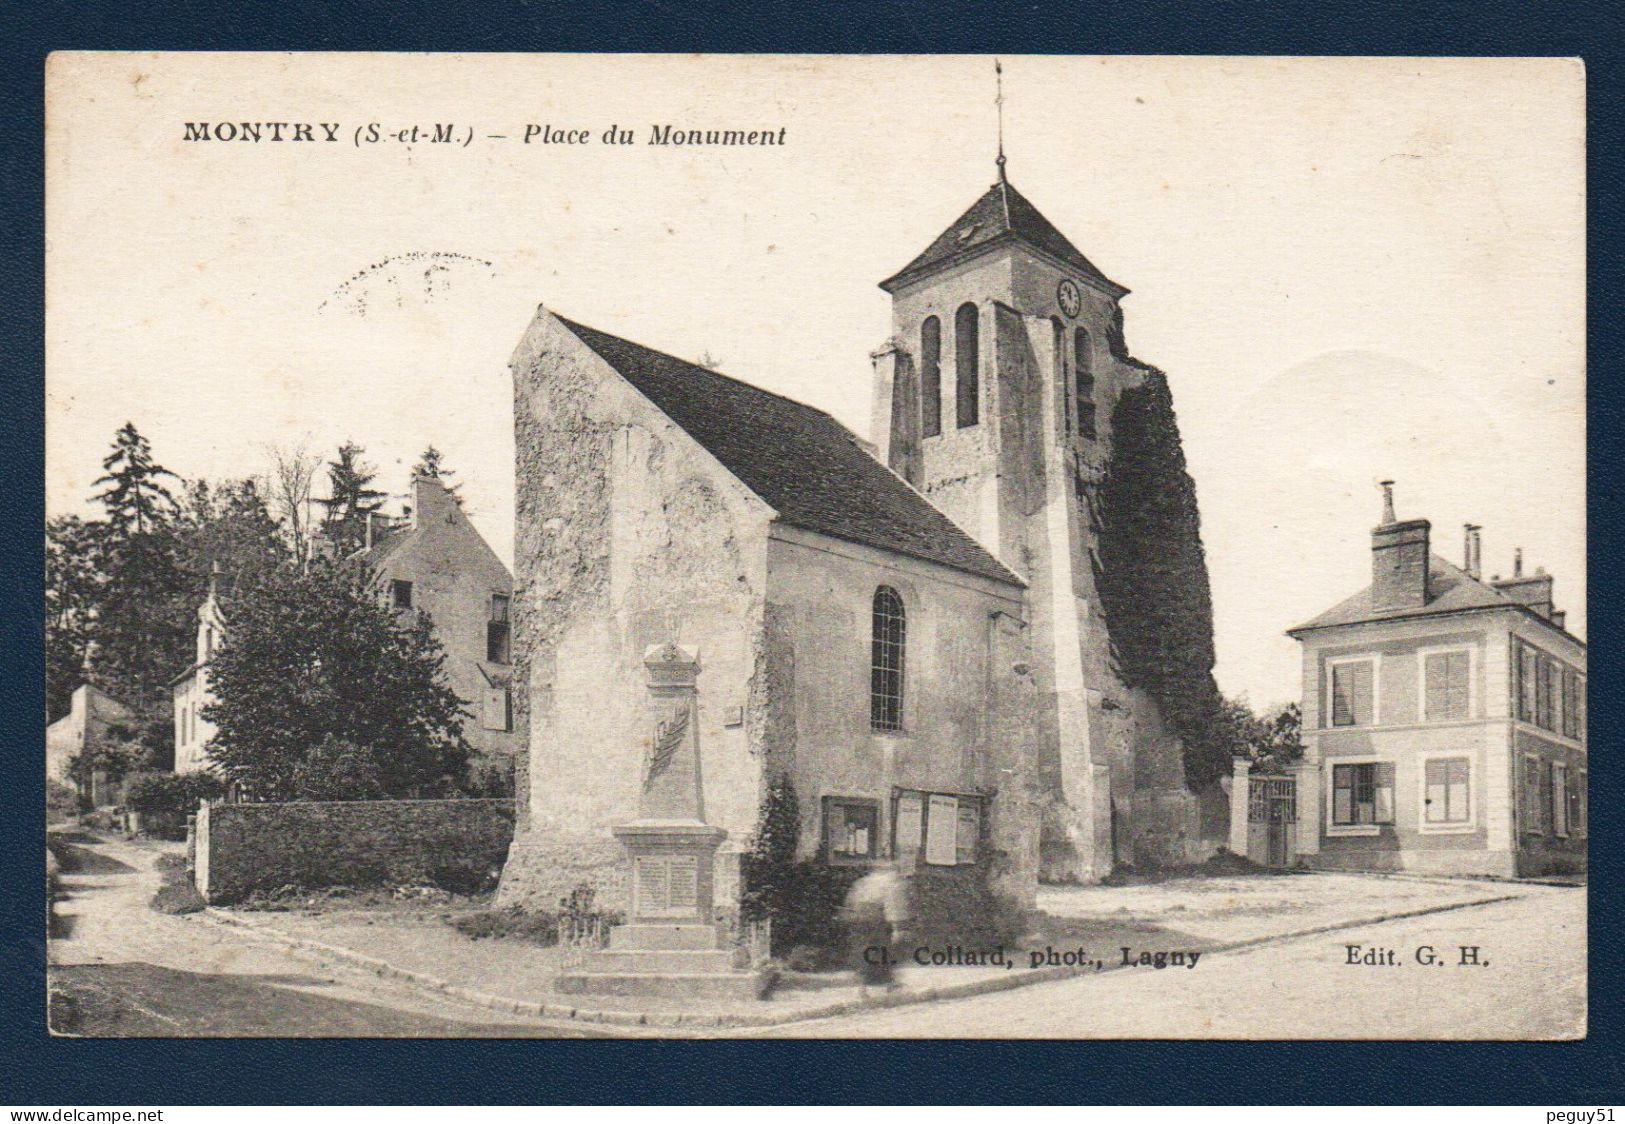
{"points": [[628, 534]]}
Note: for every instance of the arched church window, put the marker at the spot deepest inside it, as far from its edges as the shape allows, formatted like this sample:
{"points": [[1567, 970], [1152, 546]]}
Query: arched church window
{"points": [[931, 375], [1084, 371], [886, 661], [967, 360]]}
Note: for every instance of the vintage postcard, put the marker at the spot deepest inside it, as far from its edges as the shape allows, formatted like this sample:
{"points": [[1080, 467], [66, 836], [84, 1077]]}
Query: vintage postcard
{"points": [[782, 546]]}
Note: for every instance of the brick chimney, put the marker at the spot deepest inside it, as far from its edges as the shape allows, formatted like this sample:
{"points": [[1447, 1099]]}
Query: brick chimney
{"points": [[431, 501], [1534, 590], [1472, 558], [1399, 558]]}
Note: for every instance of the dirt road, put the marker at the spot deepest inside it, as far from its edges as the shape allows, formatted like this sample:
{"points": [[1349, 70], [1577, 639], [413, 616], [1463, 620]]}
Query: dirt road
{"points": [[1527, 980], [121, 969]]}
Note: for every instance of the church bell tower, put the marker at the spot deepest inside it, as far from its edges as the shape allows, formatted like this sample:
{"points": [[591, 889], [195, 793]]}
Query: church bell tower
{"points": [[993, 398]]}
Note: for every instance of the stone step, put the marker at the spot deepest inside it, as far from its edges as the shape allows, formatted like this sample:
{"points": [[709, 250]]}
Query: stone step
{"points": [[664, 937], [711, 985], [688, 961]]}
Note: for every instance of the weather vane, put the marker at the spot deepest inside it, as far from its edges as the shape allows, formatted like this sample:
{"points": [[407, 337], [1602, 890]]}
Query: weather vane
{"points": [[998, 101]]}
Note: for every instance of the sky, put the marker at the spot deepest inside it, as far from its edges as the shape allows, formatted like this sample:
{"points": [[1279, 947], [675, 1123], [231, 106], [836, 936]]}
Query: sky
{"points": [[1351, 269]]}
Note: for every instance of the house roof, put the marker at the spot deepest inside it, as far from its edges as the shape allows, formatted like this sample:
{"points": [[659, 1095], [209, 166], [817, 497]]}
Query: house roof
{"points": [[385, 542], [1450, 588], [799, 460], [1001, 215]]}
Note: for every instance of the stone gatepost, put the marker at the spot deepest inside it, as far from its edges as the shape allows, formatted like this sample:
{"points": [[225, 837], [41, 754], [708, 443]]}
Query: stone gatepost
{"points": [[670, 945], [1306, 777], [1240, 797]]}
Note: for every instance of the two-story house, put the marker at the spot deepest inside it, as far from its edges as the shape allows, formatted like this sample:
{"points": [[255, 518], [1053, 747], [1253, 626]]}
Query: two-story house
{"points": [[190, 689], [435, 561], [1444, 719], [87, 722], [431, 561]]}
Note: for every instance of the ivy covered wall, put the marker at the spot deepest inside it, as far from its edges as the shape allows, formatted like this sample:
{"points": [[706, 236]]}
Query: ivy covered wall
{"points": [[1152, 576]]}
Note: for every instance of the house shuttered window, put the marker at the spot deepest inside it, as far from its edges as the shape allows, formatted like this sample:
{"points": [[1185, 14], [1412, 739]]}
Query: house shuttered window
{"points": [[1446, 687], [1580, 707], [1558, 788], [1549, 693], [1352, 694], [1448, 798], [1531, 802], [1526, 683], [496, 709], [497, 630], [1363, 794]]}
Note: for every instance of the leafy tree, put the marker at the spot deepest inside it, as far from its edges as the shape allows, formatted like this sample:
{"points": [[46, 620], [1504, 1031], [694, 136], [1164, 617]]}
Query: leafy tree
{"points": [[73, 587], [351, 499], [229, 524], [430, 464], [1238, 728], [117, 754], [1281, 738], [178, 793], [135, 497], [339, 770], [313, 661], [1272, 742]]}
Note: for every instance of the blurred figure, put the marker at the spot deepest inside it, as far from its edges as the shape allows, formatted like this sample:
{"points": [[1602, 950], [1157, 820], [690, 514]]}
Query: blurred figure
{"points": [[877, 915]]}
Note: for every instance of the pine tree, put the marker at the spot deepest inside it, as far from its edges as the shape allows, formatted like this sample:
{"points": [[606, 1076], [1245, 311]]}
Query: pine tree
{"points": [[351, 500], [429, 464], [315, 683], [73, 589], [135, 498], [141, 636]]}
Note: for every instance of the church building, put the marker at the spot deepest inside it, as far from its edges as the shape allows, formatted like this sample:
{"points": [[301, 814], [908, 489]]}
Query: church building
{"points": [[906, 628]]}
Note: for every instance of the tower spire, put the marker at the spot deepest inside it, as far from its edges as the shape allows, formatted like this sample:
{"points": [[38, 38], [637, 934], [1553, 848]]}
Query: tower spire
{"points": [[998, 102]]}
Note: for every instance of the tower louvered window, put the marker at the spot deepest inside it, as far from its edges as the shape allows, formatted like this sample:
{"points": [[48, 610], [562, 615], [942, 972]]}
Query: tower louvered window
{"points": [[1085, 374], [931, 375], [967, 365], [886, 661], [1062, 378]]}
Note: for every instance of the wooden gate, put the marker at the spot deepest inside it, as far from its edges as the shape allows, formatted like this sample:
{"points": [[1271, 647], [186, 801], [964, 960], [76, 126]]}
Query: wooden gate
{"points": [[1272, 810]]}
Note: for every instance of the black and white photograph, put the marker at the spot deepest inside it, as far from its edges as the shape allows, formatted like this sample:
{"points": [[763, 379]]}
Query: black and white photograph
{"points": [[842, 546]]}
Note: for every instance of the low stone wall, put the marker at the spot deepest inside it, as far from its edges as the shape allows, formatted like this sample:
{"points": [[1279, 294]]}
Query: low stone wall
{"points": [[455, 844]]}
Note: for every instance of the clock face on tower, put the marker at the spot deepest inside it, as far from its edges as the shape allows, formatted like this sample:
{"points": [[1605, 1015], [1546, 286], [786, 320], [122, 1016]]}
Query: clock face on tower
{"points": [[1069, 296]]}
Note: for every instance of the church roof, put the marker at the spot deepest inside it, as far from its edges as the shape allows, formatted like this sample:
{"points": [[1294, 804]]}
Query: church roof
{"points": [[1000, 216], [801, 462], [1450, 590]]}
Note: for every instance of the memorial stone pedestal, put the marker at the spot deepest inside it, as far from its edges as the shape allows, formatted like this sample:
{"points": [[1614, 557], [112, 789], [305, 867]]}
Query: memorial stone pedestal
{"points": [[670, 945]]}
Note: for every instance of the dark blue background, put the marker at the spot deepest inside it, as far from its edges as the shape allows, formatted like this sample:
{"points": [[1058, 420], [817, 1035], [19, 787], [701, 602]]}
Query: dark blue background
{"points": [[37, 1070]]}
